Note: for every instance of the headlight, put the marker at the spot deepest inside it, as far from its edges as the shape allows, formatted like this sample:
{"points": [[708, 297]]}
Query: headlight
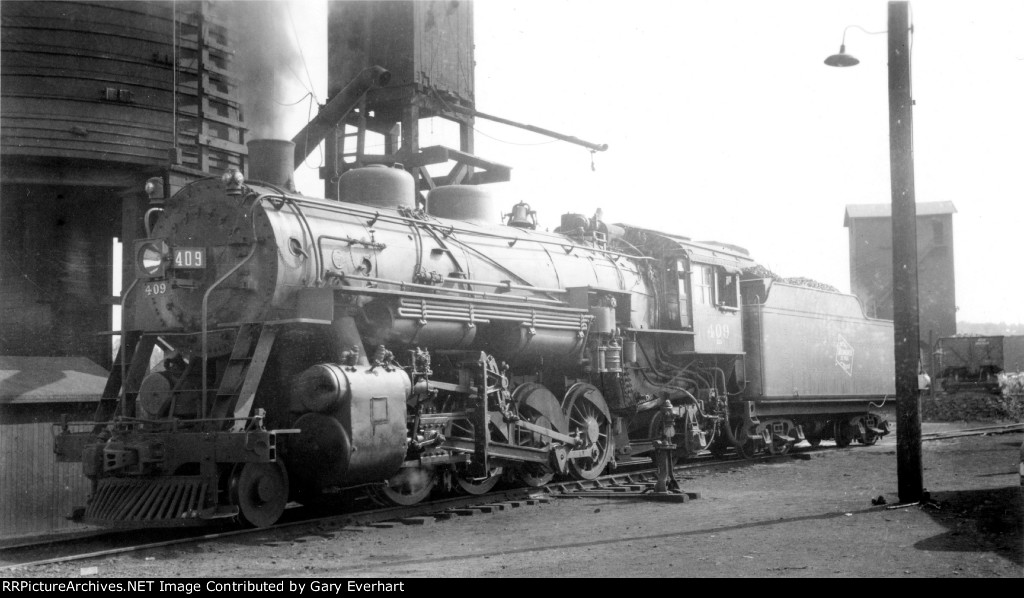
{"points": [[233, 181], [154, 189], [151, 258]]}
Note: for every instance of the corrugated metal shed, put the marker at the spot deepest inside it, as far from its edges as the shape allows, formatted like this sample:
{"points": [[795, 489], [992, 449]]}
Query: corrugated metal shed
{"points": [[36, 492], [50, 379]]}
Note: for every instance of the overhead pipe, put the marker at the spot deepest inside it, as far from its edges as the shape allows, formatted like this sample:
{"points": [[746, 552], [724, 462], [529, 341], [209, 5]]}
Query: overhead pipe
{"points": [[336, 110], [595, 147]]}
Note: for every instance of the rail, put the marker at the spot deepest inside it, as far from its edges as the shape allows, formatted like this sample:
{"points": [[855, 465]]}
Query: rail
{"points": [[626, 483]]}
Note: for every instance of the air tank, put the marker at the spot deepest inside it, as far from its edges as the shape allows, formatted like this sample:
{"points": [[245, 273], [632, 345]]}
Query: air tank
{"points": [[378, 186]]}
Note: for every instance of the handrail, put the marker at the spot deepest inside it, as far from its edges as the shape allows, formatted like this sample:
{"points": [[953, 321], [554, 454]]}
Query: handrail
{"points": [[206, 297], [402, 285], [123, 395], [350, 209]]}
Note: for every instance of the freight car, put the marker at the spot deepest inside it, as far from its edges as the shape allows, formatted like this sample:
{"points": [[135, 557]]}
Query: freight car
{"points": [[371, 344], [975, 362]]}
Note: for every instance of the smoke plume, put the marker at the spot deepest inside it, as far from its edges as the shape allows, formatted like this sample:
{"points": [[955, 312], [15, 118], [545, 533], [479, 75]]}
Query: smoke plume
{"points": [[266, 61]]}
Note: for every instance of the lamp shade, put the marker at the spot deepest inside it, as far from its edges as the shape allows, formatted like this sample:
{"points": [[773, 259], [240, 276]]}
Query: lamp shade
{"points": [[842, 58]]}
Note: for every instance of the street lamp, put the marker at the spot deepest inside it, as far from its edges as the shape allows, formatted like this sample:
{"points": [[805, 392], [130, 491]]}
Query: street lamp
{"points": [[906, 323], [842, 58]]}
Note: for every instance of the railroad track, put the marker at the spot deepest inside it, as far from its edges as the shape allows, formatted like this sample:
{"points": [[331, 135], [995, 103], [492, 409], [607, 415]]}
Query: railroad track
{"points": [[413, 515], [633, 482], [982, 431], [636, 481]]}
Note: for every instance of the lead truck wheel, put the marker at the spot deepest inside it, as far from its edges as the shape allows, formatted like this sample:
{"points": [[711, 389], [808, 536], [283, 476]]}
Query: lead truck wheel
{"points": [[260, 491], [407, 487]]}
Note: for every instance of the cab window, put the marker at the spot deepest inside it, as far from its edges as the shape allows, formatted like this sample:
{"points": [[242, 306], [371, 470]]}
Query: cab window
{"points": [[728, 290], [704, 285], [677, 295]]}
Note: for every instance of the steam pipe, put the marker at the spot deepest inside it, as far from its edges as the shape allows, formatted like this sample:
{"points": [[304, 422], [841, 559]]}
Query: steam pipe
{"points": [[337, 109]]}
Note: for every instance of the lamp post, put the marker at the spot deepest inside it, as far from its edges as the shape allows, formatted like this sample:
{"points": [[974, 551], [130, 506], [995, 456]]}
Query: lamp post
{"points": [[906, 322]]}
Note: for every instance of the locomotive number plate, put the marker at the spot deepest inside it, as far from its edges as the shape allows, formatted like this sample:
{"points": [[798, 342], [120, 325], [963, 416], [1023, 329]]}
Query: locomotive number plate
{"points": [[190, 258], [155, 288], [719, 333]]}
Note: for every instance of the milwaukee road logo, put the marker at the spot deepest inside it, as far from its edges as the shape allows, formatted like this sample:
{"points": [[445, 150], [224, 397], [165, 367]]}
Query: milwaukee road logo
{"points": [[844, 355]]}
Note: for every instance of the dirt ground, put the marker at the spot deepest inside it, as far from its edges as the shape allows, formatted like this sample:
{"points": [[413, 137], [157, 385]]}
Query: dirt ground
{"points": [[795, 517]]}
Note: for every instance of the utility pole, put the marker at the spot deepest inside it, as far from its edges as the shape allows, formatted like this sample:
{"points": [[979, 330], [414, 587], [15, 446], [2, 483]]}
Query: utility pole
{"points": [[904, 257]]}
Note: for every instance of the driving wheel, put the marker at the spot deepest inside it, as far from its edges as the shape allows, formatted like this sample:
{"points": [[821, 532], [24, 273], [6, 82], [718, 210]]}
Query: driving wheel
{"points": [[589, 419], [478, 485], [537, 405]]}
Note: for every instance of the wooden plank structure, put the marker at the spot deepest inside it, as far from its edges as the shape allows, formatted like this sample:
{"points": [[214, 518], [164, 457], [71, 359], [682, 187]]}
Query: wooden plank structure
{"points": [[98, 97], [97, 81]]}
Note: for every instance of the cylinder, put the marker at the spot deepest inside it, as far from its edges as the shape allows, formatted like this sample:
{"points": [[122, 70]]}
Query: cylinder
{"points": [[378, 186], [321, 453], [320, 388], [599, 361], [358, 432], [629, 351], [469, 203], [613, 358], [270, 161], [604, 319]]}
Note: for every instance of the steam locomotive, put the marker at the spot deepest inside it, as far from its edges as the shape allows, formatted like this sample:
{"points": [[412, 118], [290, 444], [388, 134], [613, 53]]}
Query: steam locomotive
{"points": [[370, 344]]}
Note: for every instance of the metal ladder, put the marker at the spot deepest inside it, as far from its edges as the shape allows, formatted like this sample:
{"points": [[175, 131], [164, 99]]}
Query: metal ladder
{"points": [[241, 377], [360, 141], [134, 352]]}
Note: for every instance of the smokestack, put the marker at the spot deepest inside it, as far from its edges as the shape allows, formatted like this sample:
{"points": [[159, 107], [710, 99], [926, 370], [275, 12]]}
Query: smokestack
{"points": [[270, 161]]}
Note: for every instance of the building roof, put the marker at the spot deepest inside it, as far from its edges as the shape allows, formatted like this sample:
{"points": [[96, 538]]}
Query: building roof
{"points": [[50, 379], [884, 210]]}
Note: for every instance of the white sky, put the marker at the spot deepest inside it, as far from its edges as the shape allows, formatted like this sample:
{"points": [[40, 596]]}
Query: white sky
{"points": [[723, 123]]}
